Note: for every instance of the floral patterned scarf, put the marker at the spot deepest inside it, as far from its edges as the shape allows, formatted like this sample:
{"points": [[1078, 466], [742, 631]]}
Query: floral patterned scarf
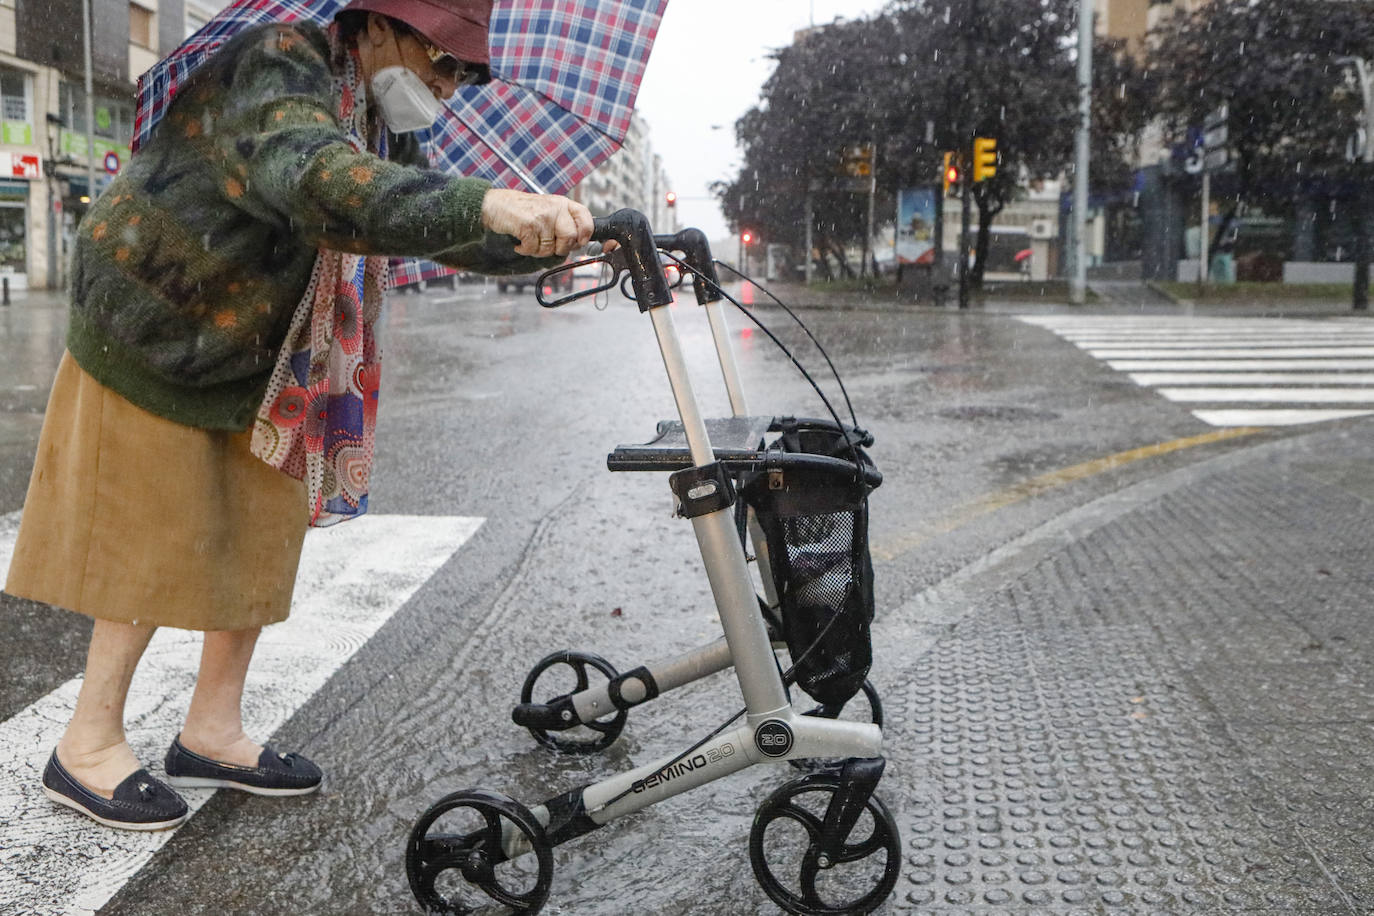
{"points": [[318, 419]]}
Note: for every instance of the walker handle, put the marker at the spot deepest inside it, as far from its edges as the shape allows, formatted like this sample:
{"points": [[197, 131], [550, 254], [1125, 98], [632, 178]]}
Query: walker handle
{"points": [[631, 229], [697, 253]]}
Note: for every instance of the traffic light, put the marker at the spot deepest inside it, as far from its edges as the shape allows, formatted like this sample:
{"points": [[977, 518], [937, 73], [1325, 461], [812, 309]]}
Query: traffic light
{"points": [[984, 158], [747, 237], [950, 174], [672, 199]]}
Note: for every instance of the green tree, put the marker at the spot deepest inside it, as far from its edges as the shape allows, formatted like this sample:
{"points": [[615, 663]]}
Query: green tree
{"points": [[818, 102], [1273, 63], [923, 78]]}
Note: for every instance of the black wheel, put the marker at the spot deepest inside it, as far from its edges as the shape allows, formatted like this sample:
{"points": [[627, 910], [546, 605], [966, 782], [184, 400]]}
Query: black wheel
{"points": [[563, 674], [456, 846], [852, 710], [786, 840]]}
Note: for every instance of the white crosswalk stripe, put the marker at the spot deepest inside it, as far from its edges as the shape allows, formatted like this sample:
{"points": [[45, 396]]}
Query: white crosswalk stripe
{"points": [[1236, 371], [353, 578]]}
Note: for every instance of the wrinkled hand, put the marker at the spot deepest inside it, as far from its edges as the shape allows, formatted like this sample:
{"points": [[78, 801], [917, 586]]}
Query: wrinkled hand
{"points": [[545, 224]]}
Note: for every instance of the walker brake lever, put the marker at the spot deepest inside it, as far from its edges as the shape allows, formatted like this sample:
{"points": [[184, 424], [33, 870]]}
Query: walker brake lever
{"points": [[673, 274], [618, 265]]}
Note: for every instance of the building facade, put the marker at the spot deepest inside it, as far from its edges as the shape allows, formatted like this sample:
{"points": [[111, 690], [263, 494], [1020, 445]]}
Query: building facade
{"points": [[634, 178], [45, 142]]}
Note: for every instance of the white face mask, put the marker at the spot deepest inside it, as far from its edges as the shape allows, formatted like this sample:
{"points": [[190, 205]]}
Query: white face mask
{"points": [[406, 103]]}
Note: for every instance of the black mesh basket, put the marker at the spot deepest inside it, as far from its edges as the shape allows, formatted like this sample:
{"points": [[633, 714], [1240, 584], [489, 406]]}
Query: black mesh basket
{"points": [[812, 504]]}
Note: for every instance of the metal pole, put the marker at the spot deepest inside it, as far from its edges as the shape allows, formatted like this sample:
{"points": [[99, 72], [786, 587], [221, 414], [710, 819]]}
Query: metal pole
{"points": [[90, 100], [810, 218], [1078, 283], [53, 256], [868, 233], [937, 266], [1360, 296], [1205, 229], [965, 219]]}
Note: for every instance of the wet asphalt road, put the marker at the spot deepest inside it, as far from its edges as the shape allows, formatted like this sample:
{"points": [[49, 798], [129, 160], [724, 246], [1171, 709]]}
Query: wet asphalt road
{"points": [[495, 408]]}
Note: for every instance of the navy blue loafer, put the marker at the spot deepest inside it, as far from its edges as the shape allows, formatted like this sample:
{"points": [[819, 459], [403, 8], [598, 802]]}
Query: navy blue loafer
{"points": [[275, 774], [141, 801]]}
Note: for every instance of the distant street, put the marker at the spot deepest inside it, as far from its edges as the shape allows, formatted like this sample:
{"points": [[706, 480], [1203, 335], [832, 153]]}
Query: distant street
{"points": [[1123, 629]]}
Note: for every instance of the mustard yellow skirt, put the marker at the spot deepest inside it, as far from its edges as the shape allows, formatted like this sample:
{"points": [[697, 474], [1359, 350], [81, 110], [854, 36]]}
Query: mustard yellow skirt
{"points": [[134, 518]]}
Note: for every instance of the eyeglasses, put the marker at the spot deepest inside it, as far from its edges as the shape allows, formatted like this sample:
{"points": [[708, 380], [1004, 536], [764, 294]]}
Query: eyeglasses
{"points": [[449, 67]]}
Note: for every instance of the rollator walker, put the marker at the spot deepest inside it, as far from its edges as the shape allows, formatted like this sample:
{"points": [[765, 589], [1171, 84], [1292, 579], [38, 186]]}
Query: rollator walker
{"points": [[796, 492]]}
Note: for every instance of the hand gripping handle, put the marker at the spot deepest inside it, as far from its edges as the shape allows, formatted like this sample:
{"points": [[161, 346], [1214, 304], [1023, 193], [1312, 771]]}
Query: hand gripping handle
{"points": [[631, 229]]}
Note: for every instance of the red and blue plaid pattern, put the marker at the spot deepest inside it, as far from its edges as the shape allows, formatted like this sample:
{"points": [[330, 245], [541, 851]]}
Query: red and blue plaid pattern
{"points": [[567, 73], [159, 85]]}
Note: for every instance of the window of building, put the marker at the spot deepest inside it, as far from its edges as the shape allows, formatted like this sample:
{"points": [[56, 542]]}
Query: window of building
{"points": [[140, 26], [114, 119], [16, 108], [194, 22]]}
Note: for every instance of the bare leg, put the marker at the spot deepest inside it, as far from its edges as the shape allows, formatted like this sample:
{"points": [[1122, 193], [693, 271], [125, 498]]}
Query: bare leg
{"points": [[214, 721], [93, 748]]}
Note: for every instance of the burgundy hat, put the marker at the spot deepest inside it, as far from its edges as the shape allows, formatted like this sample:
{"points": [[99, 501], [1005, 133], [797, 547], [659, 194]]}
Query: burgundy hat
{"points": [[458, 27]]}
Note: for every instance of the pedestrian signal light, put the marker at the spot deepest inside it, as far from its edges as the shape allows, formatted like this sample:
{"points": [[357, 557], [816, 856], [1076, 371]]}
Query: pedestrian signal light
{"points": [[672, 199], [950, 175], [984, 158]]}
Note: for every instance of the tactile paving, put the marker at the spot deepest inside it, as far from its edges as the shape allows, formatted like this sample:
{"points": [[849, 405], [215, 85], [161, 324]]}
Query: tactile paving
{"points": [[1161, 717]]}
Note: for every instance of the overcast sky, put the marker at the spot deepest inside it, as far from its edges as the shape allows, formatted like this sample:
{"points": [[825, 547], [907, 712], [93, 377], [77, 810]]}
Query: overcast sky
{"points": [[710, 60]]}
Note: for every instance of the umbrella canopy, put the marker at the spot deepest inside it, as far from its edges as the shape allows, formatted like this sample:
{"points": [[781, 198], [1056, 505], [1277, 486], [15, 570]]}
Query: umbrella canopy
{"points": [[565, 77]]}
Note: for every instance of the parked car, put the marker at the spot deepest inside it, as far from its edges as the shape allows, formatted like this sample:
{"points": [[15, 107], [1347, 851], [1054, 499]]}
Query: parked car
{"points": [[518, 282]]}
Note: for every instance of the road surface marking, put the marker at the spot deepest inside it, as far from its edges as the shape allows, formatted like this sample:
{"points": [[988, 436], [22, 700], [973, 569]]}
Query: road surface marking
{"points": [[1275, 416], [1271, 395], [1209, 364], [968, 512], [1229, 365], [353, 578], [1245, 352], [1154, 379]]}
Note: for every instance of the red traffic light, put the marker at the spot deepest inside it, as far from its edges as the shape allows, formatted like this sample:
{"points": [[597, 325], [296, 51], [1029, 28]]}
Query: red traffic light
{"points": [[671, 197], [746, 237]]}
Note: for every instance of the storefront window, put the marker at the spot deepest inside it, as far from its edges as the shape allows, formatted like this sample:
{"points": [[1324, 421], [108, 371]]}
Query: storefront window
{"points": [[11, 237]]}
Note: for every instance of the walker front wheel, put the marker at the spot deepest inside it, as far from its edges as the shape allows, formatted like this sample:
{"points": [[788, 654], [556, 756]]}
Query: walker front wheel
{"points": [[824, 874], [478, 839]]}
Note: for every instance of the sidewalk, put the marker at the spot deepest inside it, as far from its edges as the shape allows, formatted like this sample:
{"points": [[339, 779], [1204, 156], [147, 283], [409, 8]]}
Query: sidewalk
{"points": [[1160, 702], [1109, 297]]}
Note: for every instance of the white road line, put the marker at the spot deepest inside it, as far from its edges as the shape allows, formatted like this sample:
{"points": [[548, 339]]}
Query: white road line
{"points": [[1154, 379], [1275, 416], [1198, 339], [1183, 321], [1272, 395], [1230, 353], [1337, 346], [1229, 365], [1218, 361], [353, 578]]}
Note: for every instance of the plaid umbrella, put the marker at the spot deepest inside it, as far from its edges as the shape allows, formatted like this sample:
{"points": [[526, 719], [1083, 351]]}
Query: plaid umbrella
{"points": [[566, 74]]}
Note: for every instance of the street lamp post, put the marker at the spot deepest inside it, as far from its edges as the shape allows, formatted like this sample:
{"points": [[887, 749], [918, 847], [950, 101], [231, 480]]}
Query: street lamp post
{"points": [[1078, 282], [55, 123], [90, 99], [1365, 157]]}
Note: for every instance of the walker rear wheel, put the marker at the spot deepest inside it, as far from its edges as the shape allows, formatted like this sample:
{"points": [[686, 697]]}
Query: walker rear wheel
{"points": [[458, 844]]}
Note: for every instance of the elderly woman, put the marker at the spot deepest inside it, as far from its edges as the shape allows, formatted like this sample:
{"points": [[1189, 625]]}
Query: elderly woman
{"points": [[220, 384]]}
